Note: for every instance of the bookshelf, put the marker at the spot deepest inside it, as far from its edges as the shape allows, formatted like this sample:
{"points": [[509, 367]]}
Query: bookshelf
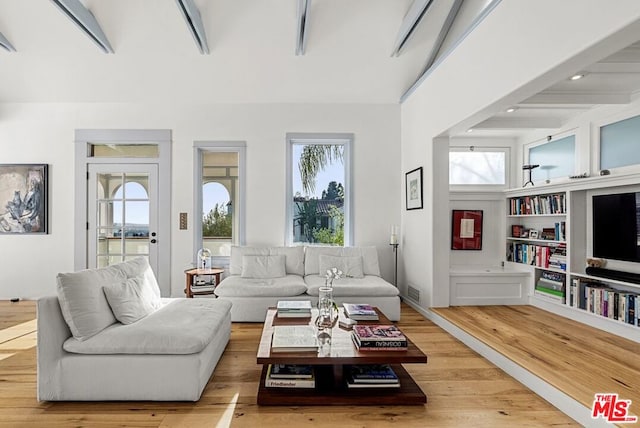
{"points": [[586, 298]]}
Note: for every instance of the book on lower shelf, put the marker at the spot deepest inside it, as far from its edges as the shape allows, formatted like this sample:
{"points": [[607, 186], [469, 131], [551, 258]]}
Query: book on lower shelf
{"points": [[372, 373], [273, 381], [291, 371], [603, 300], [360, 311], [295, 338]]}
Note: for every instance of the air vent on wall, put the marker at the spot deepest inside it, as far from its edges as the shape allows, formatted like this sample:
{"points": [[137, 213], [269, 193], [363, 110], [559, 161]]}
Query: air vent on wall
{"points": [[414, 294], [192, 16]]}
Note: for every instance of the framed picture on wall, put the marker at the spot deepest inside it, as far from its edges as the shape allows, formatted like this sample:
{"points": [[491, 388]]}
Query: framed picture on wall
{"points": [[466, 230], [413, 183], [23, 198]]}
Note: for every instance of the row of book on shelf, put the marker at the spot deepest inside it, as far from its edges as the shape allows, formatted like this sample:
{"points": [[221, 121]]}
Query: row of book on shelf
{"points": [[540, 204], [356, 376], [604, 300], [538, 255], [555, 233]]}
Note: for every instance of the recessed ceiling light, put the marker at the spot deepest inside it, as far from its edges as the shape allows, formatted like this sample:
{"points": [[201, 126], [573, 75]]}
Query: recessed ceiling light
{"points": [[511, 109], [577, 76], [470, 130]]}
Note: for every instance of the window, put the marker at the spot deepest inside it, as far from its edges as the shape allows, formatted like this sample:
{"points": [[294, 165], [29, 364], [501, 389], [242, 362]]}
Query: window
{"points": [[319, 189], [219, 222], [619, 143], [478, 166], [555, 157]]}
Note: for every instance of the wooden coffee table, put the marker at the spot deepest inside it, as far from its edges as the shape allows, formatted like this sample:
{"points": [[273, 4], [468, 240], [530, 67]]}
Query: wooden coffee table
{"points": [[331, 386]]}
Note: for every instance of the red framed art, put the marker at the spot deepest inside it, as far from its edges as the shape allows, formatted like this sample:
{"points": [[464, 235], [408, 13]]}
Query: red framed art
{"points": [[466, 230]]}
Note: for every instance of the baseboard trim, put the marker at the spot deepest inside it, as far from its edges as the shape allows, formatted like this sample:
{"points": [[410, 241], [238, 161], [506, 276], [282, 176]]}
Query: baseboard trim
{"points": [[554, 396]]}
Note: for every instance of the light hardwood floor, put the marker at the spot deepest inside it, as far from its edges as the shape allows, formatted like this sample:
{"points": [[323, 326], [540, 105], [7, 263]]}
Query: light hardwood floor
{"points": [[463, 389], [573, 357]]}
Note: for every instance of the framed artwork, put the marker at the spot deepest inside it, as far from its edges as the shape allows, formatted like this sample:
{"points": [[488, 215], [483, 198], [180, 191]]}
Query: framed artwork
{"points": [[466, 230], [413, 183], [533, 234], [23, 199]]}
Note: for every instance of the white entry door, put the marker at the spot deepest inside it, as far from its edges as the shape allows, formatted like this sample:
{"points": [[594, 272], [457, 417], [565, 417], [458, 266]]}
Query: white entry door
{"points": [[122, 204]]}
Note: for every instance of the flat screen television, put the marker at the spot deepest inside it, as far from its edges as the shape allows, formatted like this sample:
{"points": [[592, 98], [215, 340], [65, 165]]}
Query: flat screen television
{"points": [[616, 226]]}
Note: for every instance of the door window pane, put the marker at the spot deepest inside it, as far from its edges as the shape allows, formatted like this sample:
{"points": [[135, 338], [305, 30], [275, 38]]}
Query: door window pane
{"points": [[119, 150], [619, 143]]}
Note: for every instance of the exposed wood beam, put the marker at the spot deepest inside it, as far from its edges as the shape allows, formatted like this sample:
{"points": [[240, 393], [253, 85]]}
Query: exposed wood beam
{"points": [[84, 19], [6, 44], [442, 35], [520, 123], [193, 19], [301, 28], [569, 98], [411, 20]]}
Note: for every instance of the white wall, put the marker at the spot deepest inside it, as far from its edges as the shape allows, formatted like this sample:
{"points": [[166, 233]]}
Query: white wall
{"points": [[43, 133], [507, 58]]}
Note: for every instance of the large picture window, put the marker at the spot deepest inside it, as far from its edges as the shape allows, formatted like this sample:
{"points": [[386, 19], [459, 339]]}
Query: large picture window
{"points": [[319, 190]]}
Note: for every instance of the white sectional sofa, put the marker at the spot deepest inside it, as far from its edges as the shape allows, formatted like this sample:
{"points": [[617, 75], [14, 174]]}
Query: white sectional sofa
{"points": [[260, 276], [85, 353]]}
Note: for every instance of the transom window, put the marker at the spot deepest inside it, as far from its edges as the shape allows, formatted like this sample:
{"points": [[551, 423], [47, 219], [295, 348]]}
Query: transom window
{"points": [[479, 167]]}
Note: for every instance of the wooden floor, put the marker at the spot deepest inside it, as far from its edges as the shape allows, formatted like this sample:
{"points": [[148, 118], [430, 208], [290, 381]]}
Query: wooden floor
{"points": [[579, 360], [463, 389]]}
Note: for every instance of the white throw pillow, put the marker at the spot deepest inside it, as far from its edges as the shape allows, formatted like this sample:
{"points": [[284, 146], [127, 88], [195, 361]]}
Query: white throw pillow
{"points": [[140, 268], [351, 267], [82, 301], [127, 300], [263, 266]]}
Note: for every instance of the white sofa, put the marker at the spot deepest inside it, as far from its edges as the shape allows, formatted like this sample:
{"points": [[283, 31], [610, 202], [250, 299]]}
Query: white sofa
{"points": [[167, 355], [304, 274]]}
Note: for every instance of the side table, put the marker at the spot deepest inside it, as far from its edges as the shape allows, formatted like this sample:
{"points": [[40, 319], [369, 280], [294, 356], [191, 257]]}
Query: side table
{"points": [[192, 273]]}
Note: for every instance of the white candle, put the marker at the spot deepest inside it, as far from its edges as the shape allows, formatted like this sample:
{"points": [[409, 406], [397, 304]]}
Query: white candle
{"points": [[394, 235]]}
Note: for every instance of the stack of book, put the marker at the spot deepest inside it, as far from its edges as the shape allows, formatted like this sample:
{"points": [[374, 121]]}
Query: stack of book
{"points": [[294, 308], [203, 283], [558, 258], [379, 338], [290, 376], [360, 312], [551, 285], [372, 376]]}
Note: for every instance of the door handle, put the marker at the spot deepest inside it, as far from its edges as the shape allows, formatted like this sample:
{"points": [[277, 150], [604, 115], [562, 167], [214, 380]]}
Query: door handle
{"points": [[153, 241]]}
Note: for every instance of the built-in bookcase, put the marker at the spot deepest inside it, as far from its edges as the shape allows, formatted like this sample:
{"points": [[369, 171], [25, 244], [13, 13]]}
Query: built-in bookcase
{"points": [[556, 252]]}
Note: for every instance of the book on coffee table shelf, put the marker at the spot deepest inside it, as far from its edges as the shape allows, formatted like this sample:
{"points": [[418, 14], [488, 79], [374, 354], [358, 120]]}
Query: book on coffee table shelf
{"points": [[372, 373], [275, 382], [379, 337], [360, 311], [294, 308], [296, 338], [351, 384], [291, 371]]}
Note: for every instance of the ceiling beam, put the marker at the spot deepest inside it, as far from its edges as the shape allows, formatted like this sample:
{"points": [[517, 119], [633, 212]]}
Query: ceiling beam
{"points": [[577, 98], [6, 44], [614, 67], [84, 19], [193, 19], [411, 20], [301, 28], [520, 123], [442, 35]]}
